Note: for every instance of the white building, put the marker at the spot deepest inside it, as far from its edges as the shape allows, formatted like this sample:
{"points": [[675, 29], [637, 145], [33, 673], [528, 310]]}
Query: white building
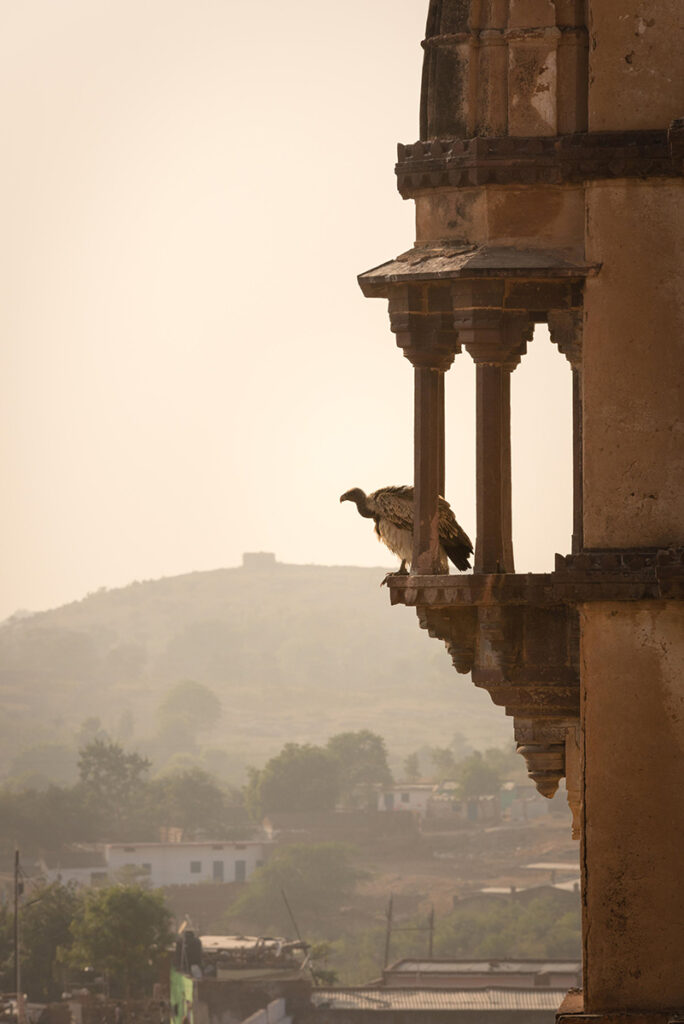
{"points": [[158, 864], [414, 796]]}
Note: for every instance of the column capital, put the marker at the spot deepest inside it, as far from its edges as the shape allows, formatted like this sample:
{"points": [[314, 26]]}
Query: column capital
{"points": [[422, 319], [493, 337]]}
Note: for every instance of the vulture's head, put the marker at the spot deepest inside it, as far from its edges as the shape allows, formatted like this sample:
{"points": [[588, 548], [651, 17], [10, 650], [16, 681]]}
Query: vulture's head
{"points": [[356, 495], [359, 498]]}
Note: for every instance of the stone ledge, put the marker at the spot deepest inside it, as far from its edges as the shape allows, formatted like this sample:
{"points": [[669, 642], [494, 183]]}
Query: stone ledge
{"points": [[558, 160], [606, 575]]}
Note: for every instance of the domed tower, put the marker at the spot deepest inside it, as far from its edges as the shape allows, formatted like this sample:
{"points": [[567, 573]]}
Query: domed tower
{"points": [[548, 183]]}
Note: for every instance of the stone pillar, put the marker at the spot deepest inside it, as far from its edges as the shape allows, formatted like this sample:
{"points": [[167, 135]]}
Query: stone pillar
{"points": [[420, 316], [565, 328], [496, 341]]}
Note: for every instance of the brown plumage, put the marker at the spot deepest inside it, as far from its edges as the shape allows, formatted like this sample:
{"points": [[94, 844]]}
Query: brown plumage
{"points": [[391, 508]]}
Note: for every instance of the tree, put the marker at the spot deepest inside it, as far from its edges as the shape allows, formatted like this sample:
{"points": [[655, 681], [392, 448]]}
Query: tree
{"points": [[300, 778], [46, 915], [478, 778], [192, 704], [361, 759], [191, 800], [113, 780], [317, 879], [443, 761], [412, 767], [123, 931]]}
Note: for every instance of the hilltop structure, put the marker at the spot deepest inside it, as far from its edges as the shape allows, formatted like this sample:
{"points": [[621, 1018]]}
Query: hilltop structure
{"points": [[548, 182]]}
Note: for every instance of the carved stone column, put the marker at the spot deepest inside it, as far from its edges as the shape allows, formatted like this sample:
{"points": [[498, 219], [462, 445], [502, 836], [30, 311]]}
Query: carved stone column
{"points": [[496, 341], [565, 328], [420, 316]]}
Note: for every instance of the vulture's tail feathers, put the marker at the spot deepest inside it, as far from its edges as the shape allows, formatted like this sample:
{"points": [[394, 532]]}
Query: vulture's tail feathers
{"points": [[459, 554]]}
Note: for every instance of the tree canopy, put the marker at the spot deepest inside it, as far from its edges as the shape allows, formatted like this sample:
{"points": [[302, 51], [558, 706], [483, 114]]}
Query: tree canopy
{"points": [[300, 778], [361, 759], [317, 879], [124, 931], [112, 781], [193, 704]]}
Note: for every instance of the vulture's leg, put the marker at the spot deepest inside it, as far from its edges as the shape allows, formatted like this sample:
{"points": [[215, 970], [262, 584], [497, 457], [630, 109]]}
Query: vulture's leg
{"points": [[401, 571]]}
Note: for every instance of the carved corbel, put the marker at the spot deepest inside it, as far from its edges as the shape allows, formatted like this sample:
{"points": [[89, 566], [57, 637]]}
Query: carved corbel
{"points": [[565, 328], [542, 744]]}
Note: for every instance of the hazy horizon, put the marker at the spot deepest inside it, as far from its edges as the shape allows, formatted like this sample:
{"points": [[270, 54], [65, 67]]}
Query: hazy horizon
{"points": [[189, 369]]}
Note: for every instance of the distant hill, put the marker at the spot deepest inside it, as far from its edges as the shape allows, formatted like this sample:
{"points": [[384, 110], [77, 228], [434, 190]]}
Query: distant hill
{"points": [[294, 652]]}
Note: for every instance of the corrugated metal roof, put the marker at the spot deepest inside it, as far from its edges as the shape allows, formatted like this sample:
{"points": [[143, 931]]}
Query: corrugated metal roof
{"points": [[436, 999]]}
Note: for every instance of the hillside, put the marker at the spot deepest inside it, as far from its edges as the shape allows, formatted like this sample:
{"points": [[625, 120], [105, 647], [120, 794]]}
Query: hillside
{"points": [[294, 652]]}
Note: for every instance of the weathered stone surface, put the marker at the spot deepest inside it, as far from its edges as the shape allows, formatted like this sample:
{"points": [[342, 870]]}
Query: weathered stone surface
{"points": [[635, 64], [561, 160], [633, 723], [634, 366]]}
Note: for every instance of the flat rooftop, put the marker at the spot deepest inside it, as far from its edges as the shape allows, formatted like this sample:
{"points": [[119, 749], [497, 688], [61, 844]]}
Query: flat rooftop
{"points": [[484, 966]]}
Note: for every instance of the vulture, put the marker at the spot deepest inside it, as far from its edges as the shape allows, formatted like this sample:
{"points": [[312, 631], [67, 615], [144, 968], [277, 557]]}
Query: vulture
{"points": [[392, 510]]}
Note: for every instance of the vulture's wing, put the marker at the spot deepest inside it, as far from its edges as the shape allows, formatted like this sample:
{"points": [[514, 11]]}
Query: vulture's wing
{"points": [[453, 538], [394, 504]]}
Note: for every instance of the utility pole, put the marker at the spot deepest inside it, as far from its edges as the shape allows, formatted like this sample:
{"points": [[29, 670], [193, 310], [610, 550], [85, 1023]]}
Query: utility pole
{"points": [[388, 933], [431, 929]]}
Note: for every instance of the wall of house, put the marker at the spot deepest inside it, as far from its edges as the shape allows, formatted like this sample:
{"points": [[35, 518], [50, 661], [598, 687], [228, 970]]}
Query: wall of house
{"points": [[183, 863], [405, 798]]}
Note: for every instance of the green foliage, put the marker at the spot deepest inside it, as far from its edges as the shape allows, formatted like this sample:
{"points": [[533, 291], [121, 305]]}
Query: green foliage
{"points": [[544, 927], [44, 820], [192, 706], [191, 800], [123, 931], [361, 759], [490, 929], [317, 879], [412, 767], [46, 914], [476, 777], [444, 763], [113, 781], [299, 778]]}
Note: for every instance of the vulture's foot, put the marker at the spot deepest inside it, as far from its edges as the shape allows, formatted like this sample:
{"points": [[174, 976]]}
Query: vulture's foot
{"points": [[401, 571]]}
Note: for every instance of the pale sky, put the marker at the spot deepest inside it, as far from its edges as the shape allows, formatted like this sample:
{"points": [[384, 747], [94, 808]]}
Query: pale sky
{"points": [[188, 369]]}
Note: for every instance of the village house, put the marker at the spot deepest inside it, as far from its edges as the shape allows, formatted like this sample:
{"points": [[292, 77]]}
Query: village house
{"points": [[156, 864]]}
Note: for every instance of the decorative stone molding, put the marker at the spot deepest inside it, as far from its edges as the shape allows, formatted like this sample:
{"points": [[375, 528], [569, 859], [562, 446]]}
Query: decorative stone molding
{"points": [[565, 328], [545, 160]]}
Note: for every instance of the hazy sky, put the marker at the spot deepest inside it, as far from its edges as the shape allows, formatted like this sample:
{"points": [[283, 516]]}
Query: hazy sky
{"points": [[188, 369]]}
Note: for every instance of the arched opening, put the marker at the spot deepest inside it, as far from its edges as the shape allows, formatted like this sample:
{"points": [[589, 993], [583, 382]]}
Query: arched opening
{"points": [[542, 455]]}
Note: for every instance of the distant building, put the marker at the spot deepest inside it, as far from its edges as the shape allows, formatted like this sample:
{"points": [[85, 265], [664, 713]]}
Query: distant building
{"points": [[157, 864], [414, 796], [482, 973], [430, 1006], [258, 560], [223, 979]]}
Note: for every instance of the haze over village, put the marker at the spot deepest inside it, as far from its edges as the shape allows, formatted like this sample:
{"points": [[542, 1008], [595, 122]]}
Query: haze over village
{"points": [[342, 554]]}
